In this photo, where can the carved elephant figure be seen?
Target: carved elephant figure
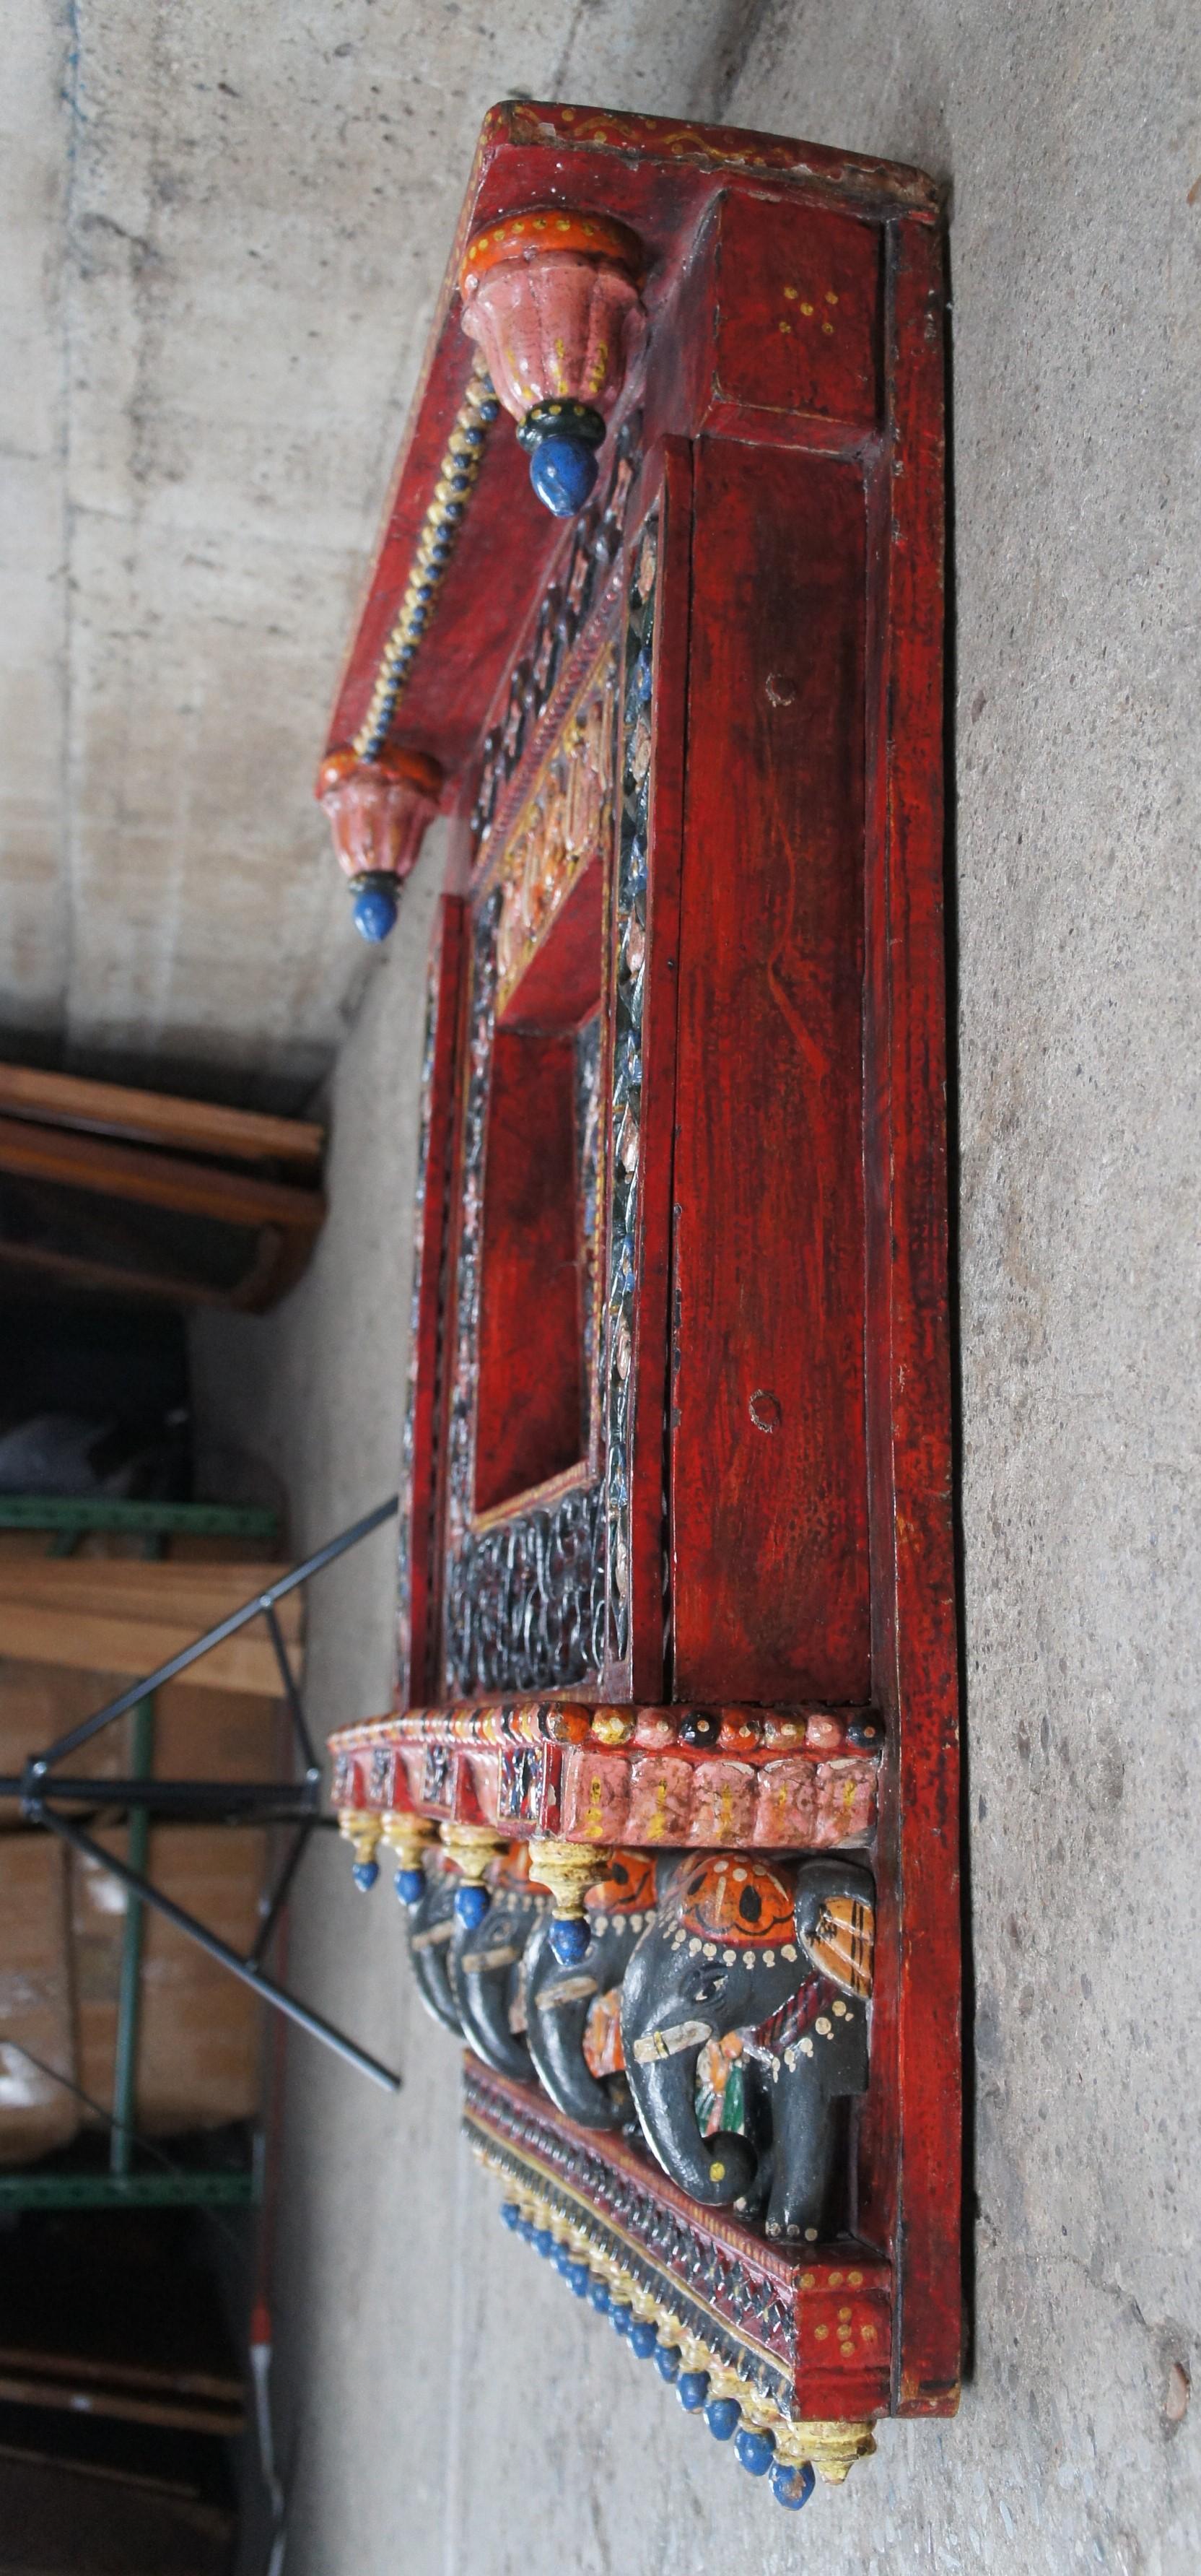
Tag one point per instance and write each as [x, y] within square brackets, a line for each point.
[486, 1972]
[766, 1966]
[572, 2014]
[430, 1928]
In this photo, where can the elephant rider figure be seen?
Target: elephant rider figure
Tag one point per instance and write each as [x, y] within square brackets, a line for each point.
[777, 1955]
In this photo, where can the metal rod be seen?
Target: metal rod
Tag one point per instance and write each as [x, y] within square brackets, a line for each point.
[263, 1601]
[286, 1801]
[105, 1512]
[125, 2068]
[251, 1976]
[283, 1888]
[291, 1694]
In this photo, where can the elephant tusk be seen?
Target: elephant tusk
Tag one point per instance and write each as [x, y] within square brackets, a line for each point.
[475, 1960]
[671, 2042]
[567, 1990]
[436, 1933]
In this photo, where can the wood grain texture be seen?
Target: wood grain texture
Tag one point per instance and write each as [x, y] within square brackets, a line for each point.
[914, 2183]
[768, 1476]
[123, 1616]
[158, 1118]
[85, 1162]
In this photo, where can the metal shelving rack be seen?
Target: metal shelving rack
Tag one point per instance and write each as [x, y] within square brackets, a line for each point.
[42, 1790]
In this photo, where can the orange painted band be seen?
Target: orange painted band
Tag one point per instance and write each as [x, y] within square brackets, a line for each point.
[544, 228]
[401, 768]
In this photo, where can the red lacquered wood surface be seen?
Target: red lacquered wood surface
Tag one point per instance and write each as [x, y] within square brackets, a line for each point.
[830, 2332]
[416, 1676]
[795, 312]
[529, 1402]
[917, 2009]
[660, 178]
[769, 1488]
[652, 1386]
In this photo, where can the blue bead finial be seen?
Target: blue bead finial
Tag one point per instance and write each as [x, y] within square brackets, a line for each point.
[667, 2361]
[723, 2416]
[471, 1904]
[692, 2389]
[792, 2487]
[374, 912]
[510, 2214]
[365, 1874]
[563, 472]
[410, 1886]
[578, 2279]
[569, 1938]
[644, 2339]
[621, 2316]
[600, 2297]
[543, 2243]
[755, 2450]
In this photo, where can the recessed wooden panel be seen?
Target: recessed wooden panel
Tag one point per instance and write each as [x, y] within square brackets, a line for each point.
[530, 1400]
[796, 310]
[769, 1509]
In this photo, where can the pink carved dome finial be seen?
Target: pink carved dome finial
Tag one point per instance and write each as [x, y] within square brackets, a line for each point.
[552, 298]
[378, 810]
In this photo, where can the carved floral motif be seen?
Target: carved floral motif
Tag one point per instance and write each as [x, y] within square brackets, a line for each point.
[626, 1093]
[563, 824]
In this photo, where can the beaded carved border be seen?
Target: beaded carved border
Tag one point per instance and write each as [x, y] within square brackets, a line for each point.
[440, 530]
[626, 1085]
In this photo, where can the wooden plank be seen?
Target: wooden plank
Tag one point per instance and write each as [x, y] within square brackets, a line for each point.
[36, 2114]
[769, 1478]
[153, 2380]
[181, 2414]
[158, 1118]
[70, 1270]
[200, 2037]
[121, 1616]
[155, 1180]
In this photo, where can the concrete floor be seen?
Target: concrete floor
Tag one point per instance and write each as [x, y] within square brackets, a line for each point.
[447, 2406]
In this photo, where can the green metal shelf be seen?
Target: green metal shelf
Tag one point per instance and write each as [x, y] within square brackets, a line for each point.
[156, 1520]
[197, 2190]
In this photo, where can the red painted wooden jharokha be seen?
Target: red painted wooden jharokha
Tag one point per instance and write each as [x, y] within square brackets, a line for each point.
[671, 1775]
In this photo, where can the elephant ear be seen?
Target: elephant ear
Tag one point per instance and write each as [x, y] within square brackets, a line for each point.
[841, 1943]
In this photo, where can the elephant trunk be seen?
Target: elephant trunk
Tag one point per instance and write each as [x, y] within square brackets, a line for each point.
[661, 2072]
[556, 2035]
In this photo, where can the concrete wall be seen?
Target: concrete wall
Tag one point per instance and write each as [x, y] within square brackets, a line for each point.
[450, 2407]
[224, 230]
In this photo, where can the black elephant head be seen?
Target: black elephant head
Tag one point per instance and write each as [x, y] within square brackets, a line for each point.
[776, 1957]
[430, 1926]
[572, 2014]
[486, 1972]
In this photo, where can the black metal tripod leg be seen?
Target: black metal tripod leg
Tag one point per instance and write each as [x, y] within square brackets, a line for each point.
[250, 1975]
